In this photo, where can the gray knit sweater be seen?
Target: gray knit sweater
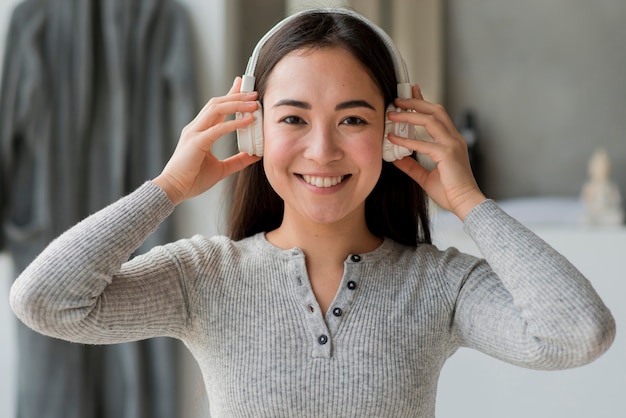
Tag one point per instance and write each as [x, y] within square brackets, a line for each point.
[246, 310]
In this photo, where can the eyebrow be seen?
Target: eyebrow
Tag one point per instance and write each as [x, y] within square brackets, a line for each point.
[354, 103]
[350, 104]
[293, 103]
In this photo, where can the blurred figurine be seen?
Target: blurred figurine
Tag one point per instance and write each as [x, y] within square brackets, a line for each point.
[600, 196]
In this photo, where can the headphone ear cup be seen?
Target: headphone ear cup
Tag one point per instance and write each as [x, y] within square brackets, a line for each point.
[250, 138]
[392, 152]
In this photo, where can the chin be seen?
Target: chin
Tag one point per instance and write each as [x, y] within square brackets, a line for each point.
[326, 217]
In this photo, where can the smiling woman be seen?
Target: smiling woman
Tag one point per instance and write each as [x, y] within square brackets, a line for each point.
[397, 206]
[328, 299]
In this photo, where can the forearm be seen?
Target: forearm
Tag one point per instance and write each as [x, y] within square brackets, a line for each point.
[64, 284]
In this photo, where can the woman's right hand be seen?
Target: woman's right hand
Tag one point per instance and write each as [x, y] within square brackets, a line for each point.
[193, 169]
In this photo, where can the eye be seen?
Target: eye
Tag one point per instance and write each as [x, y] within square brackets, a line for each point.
[353, 120]
[293, 120]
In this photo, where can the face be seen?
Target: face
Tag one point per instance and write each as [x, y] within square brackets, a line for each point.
[323, 122]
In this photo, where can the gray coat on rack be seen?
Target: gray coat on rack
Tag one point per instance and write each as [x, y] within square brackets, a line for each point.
[93, 97]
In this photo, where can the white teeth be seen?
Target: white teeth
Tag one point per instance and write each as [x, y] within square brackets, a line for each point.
[322, 181]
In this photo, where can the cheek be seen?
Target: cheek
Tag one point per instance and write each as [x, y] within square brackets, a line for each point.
[276, 143]
[370, 151]
[271, 174]
[276, 160]
[276, 153]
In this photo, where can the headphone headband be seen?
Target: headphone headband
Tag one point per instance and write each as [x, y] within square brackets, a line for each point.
[402, 77]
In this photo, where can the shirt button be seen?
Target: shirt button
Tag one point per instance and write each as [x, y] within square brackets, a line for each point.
[351, 285]
[337, 312]
[355, 257]
[322, 339]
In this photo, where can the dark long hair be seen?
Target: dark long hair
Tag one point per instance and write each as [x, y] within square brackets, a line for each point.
[397, 206]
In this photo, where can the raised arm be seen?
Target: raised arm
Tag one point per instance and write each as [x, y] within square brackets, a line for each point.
[527, 304]
[83, 288]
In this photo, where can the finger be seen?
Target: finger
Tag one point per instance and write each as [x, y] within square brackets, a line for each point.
[217, 111]
[436, 129]
[437, 151]
[413, 169]
[420, 105]
[419, 145]
[203, 140]
[417, 92]
[233, 89]
[233, 94]
[236, 87]
[252, 96]
[238, 162]
[207, 138]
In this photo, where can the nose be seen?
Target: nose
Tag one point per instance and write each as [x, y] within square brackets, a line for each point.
[323, 145]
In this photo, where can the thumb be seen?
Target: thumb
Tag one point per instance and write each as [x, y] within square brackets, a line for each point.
[238, 162]
[413, 169]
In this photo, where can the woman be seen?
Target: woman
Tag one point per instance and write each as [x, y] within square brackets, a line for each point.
[328, 298]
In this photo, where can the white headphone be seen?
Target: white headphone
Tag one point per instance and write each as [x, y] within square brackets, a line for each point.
[250, 138]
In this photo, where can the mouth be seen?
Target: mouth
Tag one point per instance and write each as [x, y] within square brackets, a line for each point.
[323, 182]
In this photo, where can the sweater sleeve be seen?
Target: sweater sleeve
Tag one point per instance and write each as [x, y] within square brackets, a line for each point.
[527, 304]
[82, 287]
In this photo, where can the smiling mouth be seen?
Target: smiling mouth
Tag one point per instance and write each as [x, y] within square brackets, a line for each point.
[319, 181]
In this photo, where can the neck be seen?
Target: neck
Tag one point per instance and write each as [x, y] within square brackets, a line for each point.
[329, 242]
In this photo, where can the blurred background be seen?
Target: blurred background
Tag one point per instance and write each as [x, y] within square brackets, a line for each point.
[536, 87]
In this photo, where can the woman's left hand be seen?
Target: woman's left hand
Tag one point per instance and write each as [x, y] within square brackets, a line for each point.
[451, 183]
